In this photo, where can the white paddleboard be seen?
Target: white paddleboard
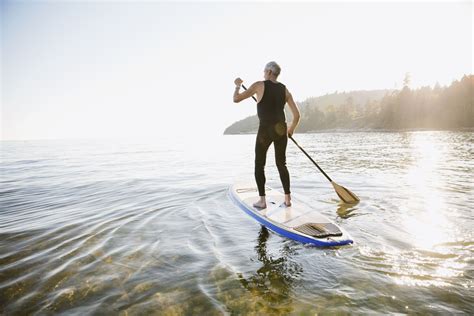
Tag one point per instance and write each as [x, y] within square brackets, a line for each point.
[299, 222]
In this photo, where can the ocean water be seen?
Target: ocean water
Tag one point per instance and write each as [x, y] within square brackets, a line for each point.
[146, 227]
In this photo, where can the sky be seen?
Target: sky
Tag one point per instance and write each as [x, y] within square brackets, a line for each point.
[90, 69]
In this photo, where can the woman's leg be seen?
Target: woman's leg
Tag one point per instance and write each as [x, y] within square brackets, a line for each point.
[262, 144]
[280, 158]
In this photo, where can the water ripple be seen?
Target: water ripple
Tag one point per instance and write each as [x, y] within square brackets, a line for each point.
[134, 228]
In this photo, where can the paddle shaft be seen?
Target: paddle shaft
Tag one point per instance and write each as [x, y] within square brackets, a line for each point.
[245, 88]
[304, 152]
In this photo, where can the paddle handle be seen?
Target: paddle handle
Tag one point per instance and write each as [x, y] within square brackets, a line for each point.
[304, 152]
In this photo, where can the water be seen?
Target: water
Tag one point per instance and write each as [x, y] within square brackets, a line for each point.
[138, 227]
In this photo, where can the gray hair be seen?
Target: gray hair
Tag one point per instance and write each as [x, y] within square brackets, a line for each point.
[273, 67]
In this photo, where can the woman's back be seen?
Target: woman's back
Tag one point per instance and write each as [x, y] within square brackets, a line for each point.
[270, 109]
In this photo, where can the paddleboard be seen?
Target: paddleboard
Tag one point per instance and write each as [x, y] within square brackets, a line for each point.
[299, 222]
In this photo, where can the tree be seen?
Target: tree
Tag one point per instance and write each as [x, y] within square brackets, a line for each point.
[407, 80]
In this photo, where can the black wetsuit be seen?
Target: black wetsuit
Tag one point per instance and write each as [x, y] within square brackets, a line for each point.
[272, 128]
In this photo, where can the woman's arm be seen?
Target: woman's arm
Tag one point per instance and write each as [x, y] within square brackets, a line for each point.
[295, 111]
[246, 93]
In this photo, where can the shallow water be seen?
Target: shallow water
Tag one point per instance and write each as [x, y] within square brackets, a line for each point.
[141, 227]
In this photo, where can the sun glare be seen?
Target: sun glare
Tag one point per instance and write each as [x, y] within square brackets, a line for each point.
[425, 216]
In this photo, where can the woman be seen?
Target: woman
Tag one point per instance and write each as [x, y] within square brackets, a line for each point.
[272, 96]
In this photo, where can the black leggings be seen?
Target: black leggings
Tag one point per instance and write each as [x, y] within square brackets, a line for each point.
[266, 135]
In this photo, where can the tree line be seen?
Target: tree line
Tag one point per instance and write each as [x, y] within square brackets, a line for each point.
[450, 107]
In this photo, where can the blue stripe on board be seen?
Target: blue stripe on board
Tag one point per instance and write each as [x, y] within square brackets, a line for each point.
[284, 232]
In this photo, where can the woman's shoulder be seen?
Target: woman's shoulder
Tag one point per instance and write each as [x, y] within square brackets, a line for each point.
[275, 82]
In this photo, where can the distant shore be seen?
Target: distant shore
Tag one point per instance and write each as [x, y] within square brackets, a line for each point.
[370, 130]
[422, 109]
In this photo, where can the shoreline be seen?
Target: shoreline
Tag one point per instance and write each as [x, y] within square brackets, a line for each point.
[370, 130]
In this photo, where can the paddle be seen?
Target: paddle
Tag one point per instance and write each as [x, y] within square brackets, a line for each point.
[344, 194]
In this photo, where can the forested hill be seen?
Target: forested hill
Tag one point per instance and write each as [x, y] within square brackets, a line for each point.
[425, 108]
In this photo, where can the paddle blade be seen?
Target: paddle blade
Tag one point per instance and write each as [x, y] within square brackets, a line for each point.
[344, 194]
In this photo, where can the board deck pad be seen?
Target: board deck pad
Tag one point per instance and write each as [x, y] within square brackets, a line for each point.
[319, 230]
[300, 221]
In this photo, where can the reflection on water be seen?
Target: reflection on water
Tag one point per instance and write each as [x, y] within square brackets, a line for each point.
[345, 211]
[138, 228]
[273, 281]
[430, 221]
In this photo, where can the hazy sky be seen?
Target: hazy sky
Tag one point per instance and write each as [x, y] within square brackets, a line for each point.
[121, 69]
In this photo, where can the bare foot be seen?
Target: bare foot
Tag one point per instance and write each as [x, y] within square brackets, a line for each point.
[287, 204]
[287, 200]
[260, 204]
